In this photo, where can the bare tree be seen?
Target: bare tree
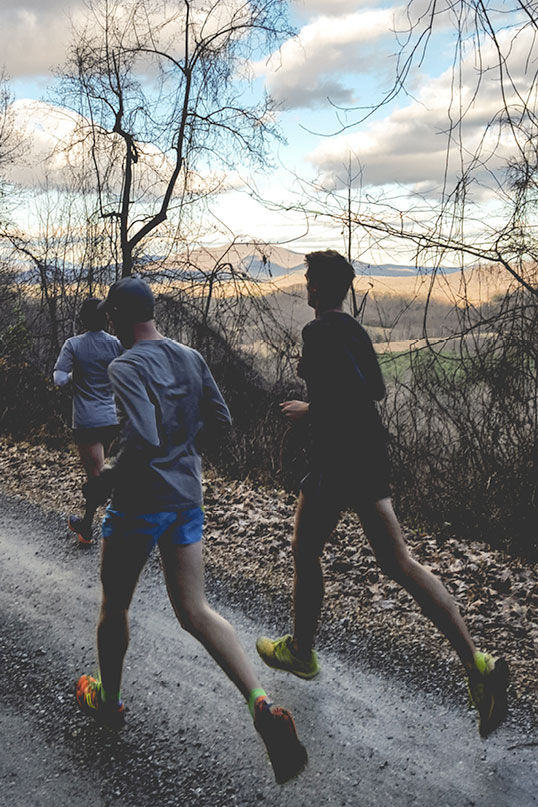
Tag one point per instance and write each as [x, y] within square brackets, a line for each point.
[63, 257]
[9, 146]
[162, 91]
[483, 209]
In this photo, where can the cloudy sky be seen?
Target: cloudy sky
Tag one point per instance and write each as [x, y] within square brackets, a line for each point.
[327, 81]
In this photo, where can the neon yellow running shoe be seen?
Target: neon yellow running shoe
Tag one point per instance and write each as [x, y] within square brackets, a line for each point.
[487, 691]
[279, 654]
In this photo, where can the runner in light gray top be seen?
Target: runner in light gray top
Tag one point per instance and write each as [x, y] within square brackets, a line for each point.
[83, 360]
[87, 357]
[166, 395]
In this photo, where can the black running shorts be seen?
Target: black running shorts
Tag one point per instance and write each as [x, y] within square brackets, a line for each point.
[352, 483]
[98, 434]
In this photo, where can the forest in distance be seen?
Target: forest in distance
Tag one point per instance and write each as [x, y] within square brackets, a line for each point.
[207, 147]
[454, 381]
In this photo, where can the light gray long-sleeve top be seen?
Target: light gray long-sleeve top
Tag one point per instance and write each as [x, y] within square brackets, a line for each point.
[166, 398]
[86, 358]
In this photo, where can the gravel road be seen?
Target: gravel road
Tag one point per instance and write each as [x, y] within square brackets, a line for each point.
[373, 739]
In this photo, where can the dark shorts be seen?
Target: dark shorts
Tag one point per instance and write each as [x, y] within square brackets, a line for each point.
[98, 434]
[351, 484]
[181, 528]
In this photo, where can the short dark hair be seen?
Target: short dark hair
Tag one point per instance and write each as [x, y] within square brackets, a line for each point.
[91, 318]
[331, 274]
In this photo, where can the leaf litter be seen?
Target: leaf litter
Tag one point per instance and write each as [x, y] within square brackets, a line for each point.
[247, 535]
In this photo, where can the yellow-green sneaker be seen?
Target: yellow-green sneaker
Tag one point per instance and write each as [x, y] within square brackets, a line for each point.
[278, 653]
[487, 691]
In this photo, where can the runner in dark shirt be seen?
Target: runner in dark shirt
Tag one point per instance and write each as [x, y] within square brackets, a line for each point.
[168, 401]
[348, 445]
[350, 467]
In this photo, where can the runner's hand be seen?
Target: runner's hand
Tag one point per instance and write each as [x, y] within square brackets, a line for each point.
[294, 410]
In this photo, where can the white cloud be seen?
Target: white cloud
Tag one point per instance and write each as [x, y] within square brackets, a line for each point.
[34, 35]
[409, 146]
[41, 129]
[305, 71]
[56, 154]
[348, 38]
[326, 7]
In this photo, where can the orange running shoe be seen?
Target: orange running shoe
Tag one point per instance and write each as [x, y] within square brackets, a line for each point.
[276, 727]
[76, 525]
[88, 693]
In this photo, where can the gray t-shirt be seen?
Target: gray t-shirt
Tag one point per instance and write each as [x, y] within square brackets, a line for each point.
[166, 398]
[87, 357]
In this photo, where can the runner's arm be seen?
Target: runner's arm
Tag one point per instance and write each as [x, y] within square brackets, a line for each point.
[371, 369]
[63, 369]
[61, 378]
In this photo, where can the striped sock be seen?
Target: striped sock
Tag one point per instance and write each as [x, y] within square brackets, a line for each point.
[116, 700]
[253, 697]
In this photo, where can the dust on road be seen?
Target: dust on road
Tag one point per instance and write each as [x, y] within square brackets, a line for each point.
[372, 738]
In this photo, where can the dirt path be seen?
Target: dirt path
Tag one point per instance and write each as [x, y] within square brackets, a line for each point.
[372, 738]
[248, 529]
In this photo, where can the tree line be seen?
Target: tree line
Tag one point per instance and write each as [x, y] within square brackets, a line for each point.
[158, 122]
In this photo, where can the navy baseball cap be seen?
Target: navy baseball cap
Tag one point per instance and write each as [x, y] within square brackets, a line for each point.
[130, 298]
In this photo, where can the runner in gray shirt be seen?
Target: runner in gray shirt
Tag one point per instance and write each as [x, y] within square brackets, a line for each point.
[168, 403]
[166, 397]
[84, 360]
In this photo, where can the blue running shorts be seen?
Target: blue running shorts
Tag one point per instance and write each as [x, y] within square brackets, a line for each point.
[181, 528]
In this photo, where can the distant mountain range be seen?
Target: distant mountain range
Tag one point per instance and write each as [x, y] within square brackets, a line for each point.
[256, 260]
[392, 270]
[266, 261]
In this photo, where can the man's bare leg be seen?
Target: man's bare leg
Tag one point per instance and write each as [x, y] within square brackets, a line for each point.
[92, 457]
[184, 574]
[121, 564]
[314, 522]
[487, 677]
[312, 530]
[385, 536]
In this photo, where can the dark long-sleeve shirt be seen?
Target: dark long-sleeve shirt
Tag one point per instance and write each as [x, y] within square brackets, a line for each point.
[166, 398]
[344, 380]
